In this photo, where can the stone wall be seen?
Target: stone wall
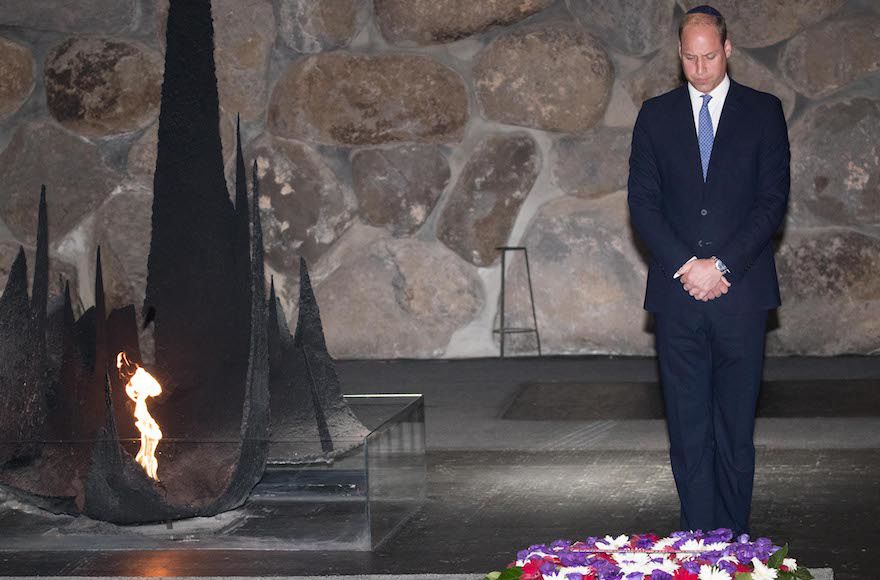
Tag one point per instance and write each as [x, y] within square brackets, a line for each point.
[400, 141]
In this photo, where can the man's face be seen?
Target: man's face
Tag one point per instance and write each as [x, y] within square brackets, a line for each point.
[703, 57]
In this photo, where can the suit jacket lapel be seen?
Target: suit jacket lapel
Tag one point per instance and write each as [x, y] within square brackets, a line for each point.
[687, 136]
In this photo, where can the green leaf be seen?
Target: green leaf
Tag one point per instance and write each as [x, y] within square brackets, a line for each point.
[493, 576]
[803, 574]
[743, 576]
[782, 575]
[778, 556]
[514, 573]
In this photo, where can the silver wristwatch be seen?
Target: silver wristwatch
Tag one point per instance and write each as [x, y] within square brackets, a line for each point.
[719, 265]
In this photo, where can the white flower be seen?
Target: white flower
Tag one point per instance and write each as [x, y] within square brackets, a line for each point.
[664, 543]
[713, 573]
[630, 562]
[762, 572]
[789, 563]
[666, 565]
[609, 543]
[693, 546]
[717, 546]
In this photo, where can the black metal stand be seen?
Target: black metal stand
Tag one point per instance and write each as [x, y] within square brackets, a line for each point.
[505, 330]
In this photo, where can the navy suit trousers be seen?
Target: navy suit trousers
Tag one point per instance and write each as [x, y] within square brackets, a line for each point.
[710, 369]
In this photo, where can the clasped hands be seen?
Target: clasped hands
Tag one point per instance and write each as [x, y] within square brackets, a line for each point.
[702, 280]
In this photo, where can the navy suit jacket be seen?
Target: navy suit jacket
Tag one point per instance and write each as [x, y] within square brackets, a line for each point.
[733, 215]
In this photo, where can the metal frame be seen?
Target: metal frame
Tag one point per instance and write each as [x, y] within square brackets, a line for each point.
[505, 330]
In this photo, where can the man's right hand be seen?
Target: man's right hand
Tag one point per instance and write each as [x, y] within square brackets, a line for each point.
[720, 289]
[723, 287]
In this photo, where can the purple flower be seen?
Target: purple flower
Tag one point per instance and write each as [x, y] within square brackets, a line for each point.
[745, 552]
[604, 568]
[719, 535]
[728, 567]
[574, 576]
[564, 544]
[591, 541]
[644, 543]
[572, 558]
[522, 554]
[547, 568]
[691, 566]
[660, 575]
[536, 547]
[743, 539]
[635, 575]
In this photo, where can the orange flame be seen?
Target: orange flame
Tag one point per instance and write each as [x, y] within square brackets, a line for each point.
[140, 386]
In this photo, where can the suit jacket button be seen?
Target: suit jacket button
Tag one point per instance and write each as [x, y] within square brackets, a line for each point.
[700, 243]
[704, 212]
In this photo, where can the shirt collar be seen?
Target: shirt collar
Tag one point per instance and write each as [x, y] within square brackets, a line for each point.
[719, 91]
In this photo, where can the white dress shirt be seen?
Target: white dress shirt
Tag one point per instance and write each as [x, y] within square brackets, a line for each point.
[716, 103]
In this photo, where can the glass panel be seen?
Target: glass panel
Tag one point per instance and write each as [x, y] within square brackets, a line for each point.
[396, 466]
[354, 502]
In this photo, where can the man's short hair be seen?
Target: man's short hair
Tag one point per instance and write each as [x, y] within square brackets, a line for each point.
[704, 14]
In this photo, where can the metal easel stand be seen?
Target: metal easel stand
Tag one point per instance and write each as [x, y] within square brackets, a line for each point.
[505, 330]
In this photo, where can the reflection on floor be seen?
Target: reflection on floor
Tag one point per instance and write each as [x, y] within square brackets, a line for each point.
[496, 485]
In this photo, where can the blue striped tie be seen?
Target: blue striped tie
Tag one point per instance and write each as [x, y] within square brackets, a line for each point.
[705, 134]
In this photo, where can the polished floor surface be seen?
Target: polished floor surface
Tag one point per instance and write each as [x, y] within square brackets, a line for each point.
[496, 485]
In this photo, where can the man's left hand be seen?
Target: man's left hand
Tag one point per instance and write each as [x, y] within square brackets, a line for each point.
[700, 278]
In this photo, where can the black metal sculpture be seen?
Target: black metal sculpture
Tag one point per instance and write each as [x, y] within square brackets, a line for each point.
[67, 435]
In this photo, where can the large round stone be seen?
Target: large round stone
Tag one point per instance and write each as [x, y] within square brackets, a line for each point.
[830, 293]
[587, 276]
[60, 272]
[398, 298]
[822, 59]
[16, 76]
[100, 86]
[244, 33]
[634, 27]
[309, 26]
[835, 164]
[304, 207]
[397, 187]
[553, 77]
[483, 205]
[660, 74]
[76, 179]
[433, 21]
[754, 23]
[593, 164]
[748, 71]
[351, 244]
[123, 228]
[81, 16]
[349, 99]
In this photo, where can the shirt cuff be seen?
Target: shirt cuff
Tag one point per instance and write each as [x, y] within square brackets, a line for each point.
[676, 275]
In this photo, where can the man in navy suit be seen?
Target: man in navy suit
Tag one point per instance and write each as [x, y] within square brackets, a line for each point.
[708, 188]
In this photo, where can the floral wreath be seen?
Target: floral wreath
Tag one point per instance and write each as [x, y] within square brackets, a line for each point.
[693, 555]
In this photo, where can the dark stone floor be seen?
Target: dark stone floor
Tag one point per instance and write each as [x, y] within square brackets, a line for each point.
[490, 497]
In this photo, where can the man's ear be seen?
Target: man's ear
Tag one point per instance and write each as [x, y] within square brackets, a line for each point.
[679, 49]
[728, 48]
